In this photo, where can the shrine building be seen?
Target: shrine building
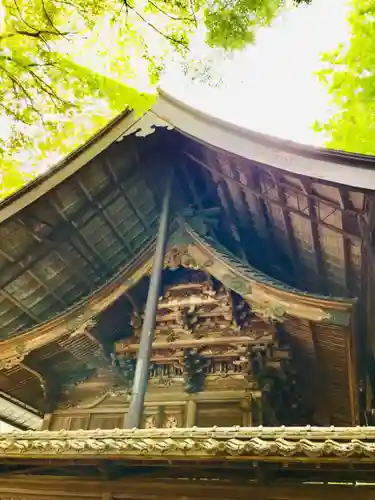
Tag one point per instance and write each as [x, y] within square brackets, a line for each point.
[185, 303]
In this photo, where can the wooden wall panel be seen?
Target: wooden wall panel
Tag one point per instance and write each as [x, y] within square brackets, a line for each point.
[220, 414]
[106, 421]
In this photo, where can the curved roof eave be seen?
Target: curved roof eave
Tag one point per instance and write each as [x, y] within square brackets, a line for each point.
[301, 305]
[353, 170]
[66, 167]
[349, 169]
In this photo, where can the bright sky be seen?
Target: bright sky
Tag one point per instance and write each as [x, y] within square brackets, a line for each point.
[271, 87]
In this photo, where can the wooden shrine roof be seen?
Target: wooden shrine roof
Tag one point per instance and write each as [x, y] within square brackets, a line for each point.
[73, 243]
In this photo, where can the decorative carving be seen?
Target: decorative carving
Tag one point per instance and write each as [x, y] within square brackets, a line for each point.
[163, 382]
[7, 364]
[125, 367]
[150, 422]
[145, 126]
[313, 443]
[194, 370]
[171, 422]
[178, 256]
[237, 284]
[203, 330]
[273, 312]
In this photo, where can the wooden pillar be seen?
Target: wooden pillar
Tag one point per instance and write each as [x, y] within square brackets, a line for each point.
[247, 417]
[46, 422]
[140, 383]
[191, 413]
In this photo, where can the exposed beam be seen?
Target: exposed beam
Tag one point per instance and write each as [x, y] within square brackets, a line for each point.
[82, 277]
[319, 199]
[222, 190]
[318, 251]
[223, 194]
[349, 278]
[78, 234]
[39, 376]
[120, 185]
[294, 253]
[20, 306]
[239, 204]
[61, 233]
[98, 344]
[101, 211]
[189, 182]
[266, 233]
[276, 202]
[20, 269]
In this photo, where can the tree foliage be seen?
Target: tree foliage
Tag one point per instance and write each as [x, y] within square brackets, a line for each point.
[68, 66]
[349, 74]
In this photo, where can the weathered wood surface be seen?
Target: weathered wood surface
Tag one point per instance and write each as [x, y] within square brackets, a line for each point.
[52, 488]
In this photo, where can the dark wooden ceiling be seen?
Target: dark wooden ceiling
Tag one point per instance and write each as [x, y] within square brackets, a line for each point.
[64, 246]
[58, 251]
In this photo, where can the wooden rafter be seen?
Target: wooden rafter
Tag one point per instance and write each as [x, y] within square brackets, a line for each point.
[318, 251]
[119, 184]
[276, 202]
[265, 234]
[189, 182]
[319, 199]
[68, 263]
[21, 269]
[241, 209]
[101, 211]
[227, 203]
[295, 255]
[19, 305]
[59, 234]
[226, 193]
[78, 234]
[345, 202]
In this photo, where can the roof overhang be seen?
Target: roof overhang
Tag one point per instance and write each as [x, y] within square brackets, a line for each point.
[341, 168]
[269, 297]
[18, 414]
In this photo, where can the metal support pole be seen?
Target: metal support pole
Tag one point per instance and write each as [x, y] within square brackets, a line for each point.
[140, 383]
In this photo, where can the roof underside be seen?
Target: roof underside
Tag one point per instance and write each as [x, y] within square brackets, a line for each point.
[58, 251]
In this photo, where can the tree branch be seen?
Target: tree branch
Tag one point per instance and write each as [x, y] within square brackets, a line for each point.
[18, 85]
[168, 37]
[21, 17]
[170, 15]
[58, 32]
[40, 33]
[48, 89]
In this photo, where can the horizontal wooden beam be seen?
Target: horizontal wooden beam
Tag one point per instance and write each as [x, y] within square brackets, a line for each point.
[276, 202]
[146, 487]
[240, 341]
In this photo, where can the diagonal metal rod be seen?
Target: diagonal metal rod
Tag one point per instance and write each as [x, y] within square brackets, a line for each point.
[140, 383]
